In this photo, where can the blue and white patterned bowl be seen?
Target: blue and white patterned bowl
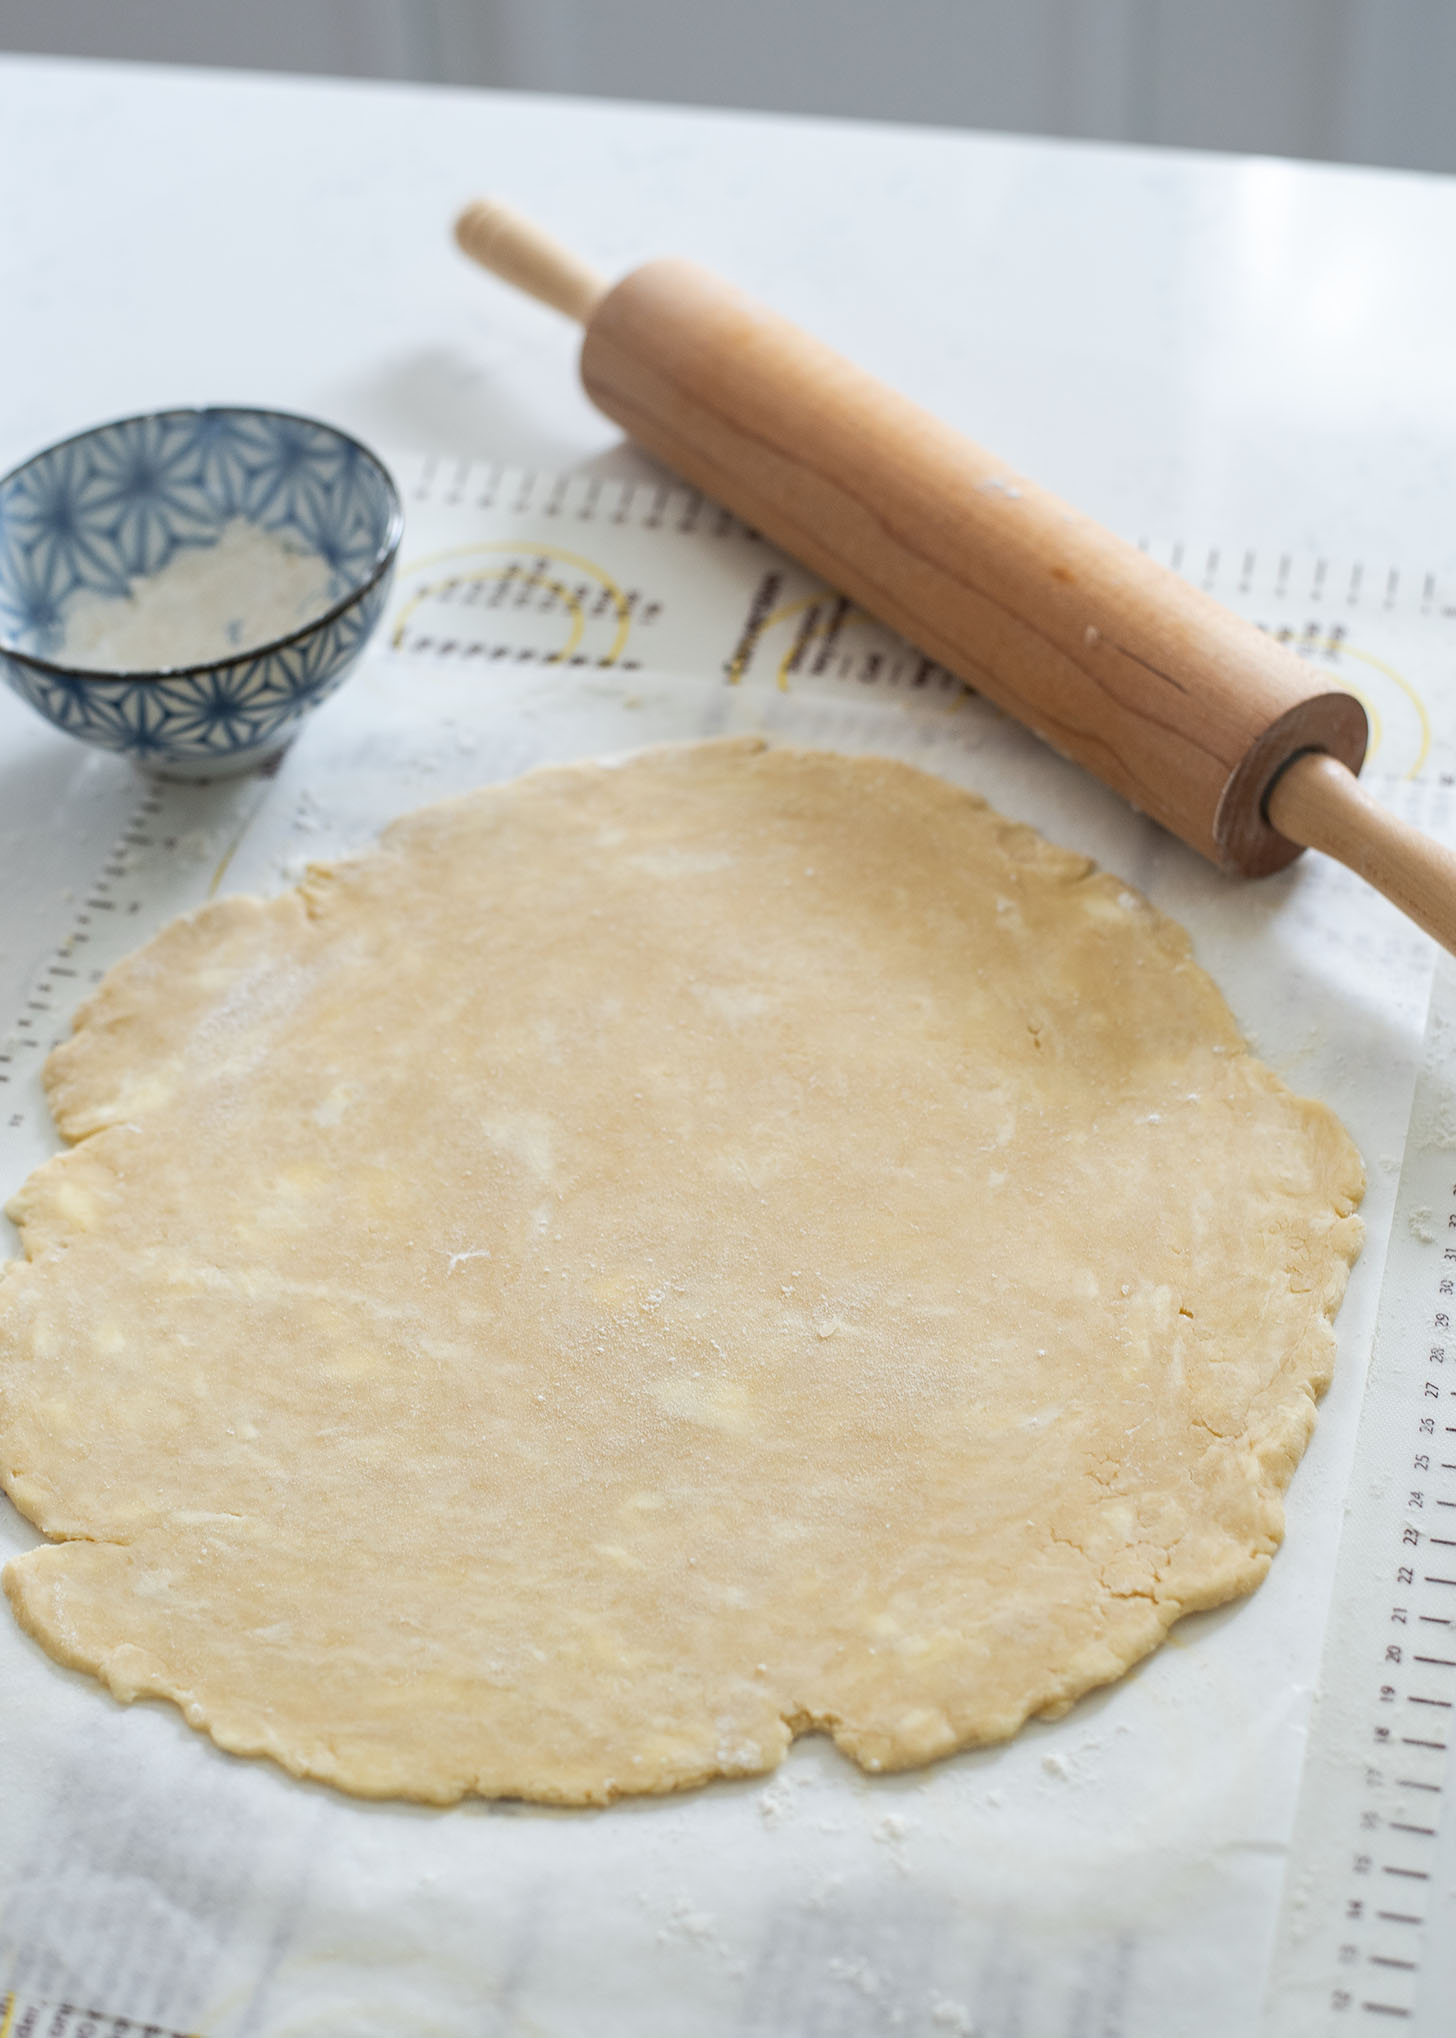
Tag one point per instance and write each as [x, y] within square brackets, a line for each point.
[187, 586]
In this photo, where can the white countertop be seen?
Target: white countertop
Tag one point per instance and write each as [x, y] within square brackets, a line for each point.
[1250, 347]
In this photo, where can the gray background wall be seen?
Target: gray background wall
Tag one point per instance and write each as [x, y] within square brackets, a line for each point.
[1365, 81]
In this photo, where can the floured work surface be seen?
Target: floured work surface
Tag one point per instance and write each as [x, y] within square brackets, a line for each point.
[651, 1260]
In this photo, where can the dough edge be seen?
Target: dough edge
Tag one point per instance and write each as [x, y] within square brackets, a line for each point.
[77, 1075]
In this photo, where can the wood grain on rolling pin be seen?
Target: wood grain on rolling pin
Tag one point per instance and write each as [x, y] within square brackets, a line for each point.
[1185, 709]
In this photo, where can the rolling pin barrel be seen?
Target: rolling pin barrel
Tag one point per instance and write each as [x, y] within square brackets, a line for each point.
[1188, 711]
[1195, 716]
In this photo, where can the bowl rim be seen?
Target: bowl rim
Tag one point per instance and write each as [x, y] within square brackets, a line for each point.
[111, 675]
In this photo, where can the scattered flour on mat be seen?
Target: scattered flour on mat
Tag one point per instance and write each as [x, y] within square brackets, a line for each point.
[944, 2013]
[686, 1925]
[891, 1832]
[776, 1803]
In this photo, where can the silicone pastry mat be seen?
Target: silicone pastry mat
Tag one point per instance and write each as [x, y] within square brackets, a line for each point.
[1119, 1871]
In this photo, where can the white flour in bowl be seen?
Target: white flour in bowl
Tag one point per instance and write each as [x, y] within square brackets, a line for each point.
[207, 602]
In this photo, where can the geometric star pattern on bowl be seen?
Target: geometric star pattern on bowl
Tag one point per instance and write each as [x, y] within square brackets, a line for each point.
[99, 513]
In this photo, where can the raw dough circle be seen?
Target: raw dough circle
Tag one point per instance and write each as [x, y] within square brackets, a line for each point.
[649, 1261]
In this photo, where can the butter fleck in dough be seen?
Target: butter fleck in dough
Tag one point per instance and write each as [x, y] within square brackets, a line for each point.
[650, 1261]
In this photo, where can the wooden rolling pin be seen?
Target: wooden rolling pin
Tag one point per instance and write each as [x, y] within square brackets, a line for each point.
[1197, 717]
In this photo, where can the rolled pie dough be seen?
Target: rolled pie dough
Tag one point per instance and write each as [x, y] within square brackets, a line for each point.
[650, 1261]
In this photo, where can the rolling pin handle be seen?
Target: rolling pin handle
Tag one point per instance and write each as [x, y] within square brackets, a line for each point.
[515, 249]
[1320, 804]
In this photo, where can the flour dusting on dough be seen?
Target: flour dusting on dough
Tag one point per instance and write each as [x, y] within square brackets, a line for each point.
[651, 1261]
